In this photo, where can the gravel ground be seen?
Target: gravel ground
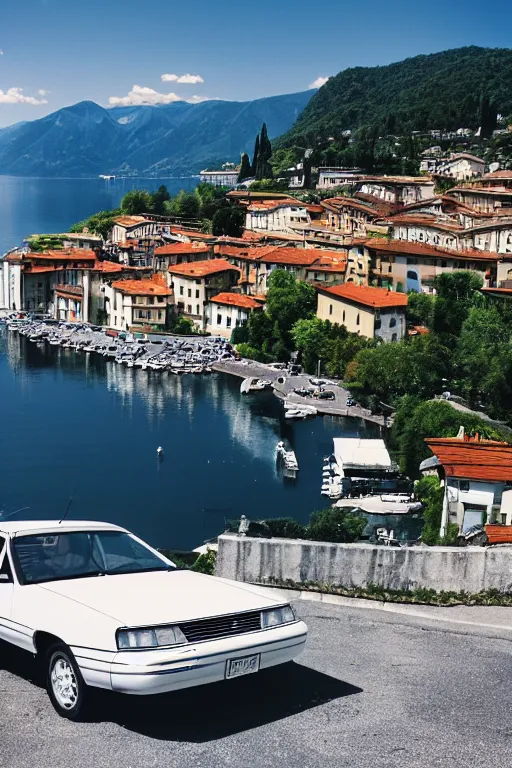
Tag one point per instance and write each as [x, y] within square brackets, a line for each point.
[370, 690]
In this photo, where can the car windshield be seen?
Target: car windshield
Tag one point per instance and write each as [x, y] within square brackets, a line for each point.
[57, 556]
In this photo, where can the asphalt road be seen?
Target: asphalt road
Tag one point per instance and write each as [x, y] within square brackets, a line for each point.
[371, 690]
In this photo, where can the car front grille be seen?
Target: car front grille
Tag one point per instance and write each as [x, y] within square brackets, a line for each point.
[221, 626]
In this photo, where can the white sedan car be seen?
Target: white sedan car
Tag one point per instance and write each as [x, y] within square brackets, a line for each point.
[101, 608]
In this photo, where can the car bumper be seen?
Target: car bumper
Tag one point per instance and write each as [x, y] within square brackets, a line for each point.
[146, 672]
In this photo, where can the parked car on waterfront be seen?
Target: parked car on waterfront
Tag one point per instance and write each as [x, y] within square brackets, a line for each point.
[324, 394]
[100, 608]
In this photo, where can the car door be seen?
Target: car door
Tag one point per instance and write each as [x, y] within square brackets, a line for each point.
[6, 590]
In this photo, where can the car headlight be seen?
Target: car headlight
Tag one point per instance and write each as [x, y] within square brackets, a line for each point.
[153, 637]
[277, 616]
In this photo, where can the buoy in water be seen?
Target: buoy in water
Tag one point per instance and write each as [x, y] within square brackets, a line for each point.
[160, 451]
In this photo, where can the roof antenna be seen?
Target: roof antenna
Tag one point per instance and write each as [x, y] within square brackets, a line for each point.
[68, 506]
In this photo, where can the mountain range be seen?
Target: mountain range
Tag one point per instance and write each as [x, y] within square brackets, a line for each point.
[458, 88]
[173, 139]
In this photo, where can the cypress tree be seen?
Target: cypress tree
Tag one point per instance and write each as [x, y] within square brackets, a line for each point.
[263, 167]
[245, 168]
[255, 156]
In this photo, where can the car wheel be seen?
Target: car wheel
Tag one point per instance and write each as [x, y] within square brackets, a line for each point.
[64, 682]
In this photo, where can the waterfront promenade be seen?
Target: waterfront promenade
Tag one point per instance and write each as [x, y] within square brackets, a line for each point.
[284, 390]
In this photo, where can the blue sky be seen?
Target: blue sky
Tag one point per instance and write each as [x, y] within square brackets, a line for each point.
[58, 52]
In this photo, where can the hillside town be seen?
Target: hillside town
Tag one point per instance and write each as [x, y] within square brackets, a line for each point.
[393, 235]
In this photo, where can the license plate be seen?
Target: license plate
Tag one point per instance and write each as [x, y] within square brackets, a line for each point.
[244, 666]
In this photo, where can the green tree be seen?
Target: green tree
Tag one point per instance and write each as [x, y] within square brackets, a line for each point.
[484, 356]
[229, 221]
[99, 223]
[310, 337]
[136, 201]
[245, 168]
[341, 526]
[255, 156]
[416, 367]
[429, 491]
[416, 420]
[288, 300]
[456, 292]
[263, 166]
[259, 327]
[185, 205]
[158, 200]
[420, 309]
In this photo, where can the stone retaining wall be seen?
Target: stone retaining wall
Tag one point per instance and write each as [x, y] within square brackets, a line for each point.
[280, 561]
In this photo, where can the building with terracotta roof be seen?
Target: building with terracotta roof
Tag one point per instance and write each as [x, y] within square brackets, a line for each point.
[137, 303]
[227, 310]
[371, 312]
[413, 266]
[195, 282]
[171, 254]
[350, 216]
[276, 215]
[397, 190]
[476, 474]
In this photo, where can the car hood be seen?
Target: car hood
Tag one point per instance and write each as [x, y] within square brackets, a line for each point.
[162, 597]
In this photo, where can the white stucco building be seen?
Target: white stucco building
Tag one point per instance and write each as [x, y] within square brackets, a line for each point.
[226, 311]
[277, 216]
[460, 166]
[476, 473]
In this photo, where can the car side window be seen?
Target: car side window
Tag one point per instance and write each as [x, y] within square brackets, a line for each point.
[5, 568]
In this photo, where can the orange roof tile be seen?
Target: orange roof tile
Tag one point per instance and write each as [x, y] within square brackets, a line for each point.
[368, 296]
[473, 459]
[129, 221]
[192, 233]
[236, 300]
[66, 254]
[108, 266]
[141, 288]
[335, 203]
[422, 249]
[172, 248]
[427, 221]
[202, 268]
[40, 270]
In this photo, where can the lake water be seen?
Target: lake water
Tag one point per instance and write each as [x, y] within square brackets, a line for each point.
[76, 425]
[33, 206]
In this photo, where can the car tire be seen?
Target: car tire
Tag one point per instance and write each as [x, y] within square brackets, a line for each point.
[64, 682]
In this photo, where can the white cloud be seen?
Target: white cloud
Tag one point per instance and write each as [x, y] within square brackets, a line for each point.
[16, 96]
[318, 82]
[1, 52]
[142, 95]
[182, 79]
[43, 92]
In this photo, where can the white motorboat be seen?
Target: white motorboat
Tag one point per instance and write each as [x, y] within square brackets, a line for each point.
[288, 460]
[253, 385]
[296, 413]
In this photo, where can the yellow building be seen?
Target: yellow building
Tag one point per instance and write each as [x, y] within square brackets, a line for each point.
[371, 312]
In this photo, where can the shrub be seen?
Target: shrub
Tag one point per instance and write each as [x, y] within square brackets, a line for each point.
[205, 563]
[429, 491]
[286, 528]
[253, 354]
[335, 525]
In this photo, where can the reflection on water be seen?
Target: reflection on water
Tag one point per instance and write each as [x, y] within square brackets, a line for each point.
[75, 421]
